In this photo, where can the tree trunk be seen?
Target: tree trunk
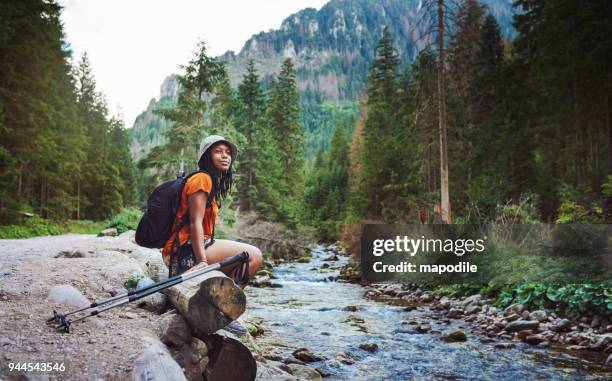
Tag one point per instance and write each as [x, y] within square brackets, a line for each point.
[229, 359]
[445, 204]
[208, 302]
[609, 125]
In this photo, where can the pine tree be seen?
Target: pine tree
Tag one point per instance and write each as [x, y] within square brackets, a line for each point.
[284, 119]
[252, 111]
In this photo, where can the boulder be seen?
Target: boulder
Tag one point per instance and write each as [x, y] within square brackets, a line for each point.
[174, 330]
[538, 315]
[454, 336]
[520, 325]
[110, 232]
[303, 372]
[303, 354]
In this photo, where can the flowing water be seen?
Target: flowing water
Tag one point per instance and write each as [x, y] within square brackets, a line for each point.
[309, 311]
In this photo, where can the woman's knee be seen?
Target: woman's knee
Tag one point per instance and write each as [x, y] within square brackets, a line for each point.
[255, 256]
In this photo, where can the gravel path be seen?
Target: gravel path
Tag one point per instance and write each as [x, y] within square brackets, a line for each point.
[98, 348]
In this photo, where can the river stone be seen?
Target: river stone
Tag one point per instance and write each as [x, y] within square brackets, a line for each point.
[110, 232]
[305, 355]
[454, 313]
[562, 325]
[351, 308]
[174, 330]
[514, 309]
[330, 258]
[601, 344]
[454, 336]
[520, 325]
[370, 347]
[534, 339]
[261, 281]
[608, 363]
[504, 345]
[471, 310]
[67, 294]
[424, 328]
[538, 315]
[304, 372]
[471, 300]
[426, 298]
[345, 358]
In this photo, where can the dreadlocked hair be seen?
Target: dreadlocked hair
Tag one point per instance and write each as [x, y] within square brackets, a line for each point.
[222, 181]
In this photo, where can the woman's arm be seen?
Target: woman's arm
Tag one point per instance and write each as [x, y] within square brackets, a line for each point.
[197, 209]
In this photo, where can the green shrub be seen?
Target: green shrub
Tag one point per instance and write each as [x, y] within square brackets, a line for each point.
[126, 220]
[26, 227]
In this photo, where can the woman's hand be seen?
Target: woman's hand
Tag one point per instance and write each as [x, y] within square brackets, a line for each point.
[198, 266]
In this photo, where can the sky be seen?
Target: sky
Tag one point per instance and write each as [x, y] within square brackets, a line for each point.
[134, 44]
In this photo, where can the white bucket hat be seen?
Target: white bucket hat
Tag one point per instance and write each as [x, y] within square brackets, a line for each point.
[209, 141]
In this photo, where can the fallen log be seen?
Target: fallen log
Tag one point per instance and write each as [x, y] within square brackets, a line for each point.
[229, 359]
[208, 302]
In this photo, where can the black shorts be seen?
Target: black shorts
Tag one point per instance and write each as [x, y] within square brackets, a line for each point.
[185, 258]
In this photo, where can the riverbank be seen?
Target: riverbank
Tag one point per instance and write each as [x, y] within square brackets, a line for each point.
[312, 317]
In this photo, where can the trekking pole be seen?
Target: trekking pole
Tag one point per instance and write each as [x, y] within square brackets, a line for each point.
[64, 322]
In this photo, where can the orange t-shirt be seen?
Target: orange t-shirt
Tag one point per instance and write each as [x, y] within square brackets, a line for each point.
[197, 182]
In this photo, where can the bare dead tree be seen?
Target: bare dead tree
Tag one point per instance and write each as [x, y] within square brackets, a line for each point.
[436, 13]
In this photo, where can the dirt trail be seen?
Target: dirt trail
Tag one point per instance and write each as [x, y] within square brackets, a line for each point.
[98, 348]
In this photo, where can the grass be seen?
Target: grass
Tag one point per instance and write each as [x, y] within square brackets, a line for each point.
[26, 227]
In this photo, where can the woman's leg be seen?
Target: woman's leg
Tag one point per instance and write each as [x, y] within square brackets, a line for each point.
[223, 248]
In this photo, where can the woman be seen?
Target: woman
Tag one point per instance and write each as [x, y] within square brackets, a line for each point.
[199, 208]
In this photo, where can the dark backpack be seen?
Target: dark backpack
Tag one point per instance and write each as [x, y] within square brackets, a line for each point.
[155, 226]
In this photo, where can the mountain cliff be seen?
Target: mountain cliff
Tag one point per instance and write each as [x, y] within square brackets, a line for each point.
[332, 49]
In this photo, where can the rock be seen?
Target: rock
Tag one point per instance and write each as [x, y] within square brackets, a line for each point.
[576, 347]
[351, 308]
[514, 309]
[174, 330]
[534, 339]
[330, 258]
[522, 335]
[423, 328]
[303, 372]
[454, 313]
[254, 329]
[305, 355]
[608, 363]
[261, 281]
[77, 253]
[471, 310]
[370, 347]
[110, 232]
[601, 344]
[538, 315]
[128, 315]
[324, 266]
[520, 325]
[199, 350]
[128, 235]
[608, 349]
[4, 341]
[562, 326]
[156, 363]
[66, 294]
[156, 303]
[504, 345]
[304, 259]
[454, 336]
[426, 298]
[472, 300]
[525, 315]
[345, 358]
[596, 322]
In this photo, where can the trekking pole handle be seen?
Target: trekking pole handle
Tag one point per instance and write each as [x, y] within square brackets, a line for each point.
[242, 257]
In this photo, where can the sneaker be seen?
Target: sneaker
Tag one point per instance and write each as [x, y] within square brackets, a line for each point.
[236, 328]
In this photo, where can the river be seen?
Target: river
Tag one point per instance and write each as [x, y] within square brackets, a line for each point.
[309, 310]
